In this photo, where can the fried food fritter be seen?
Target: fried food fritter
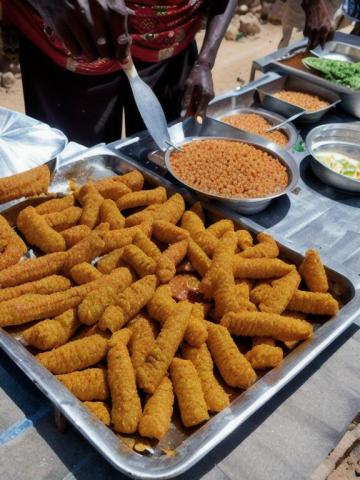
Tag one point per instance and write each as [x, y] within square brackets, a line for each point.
[142, 340]
[109, 213]
[55, 205]
[313, 272]
[91, 201]
[314, 303]
[51, 284]
[100, 410]
[266, 248]
[13, 247]
[74, 235]
[27, 184]
[87, 385]
[264, 356]
[64, 219]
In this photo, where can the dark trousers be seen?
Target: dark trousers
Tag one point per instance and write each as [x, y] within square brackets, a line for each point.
[89, 109]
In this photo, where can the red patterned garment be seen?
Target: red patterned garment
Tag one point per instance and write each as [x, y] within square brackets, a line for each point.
[158, 30]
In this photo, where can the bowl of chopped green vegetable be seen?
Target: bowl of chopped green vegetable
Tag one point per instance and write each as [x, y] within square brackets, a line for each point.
[342, 72]
[335, 154]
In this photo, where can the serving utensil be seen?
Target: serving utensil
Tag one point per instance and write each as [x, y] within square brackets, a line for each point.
[285, 122]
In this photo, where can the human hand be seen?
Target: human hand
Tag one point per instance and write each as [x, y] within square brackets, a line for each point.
[199, 91]
[92, 28]
[318, 26]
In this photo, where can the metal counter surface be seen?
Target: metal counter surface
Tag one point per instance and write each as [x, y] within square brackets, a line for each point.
[286, 439]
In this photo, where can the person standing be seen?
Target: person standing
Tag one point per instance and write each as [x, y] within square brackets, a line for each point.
[72, 52]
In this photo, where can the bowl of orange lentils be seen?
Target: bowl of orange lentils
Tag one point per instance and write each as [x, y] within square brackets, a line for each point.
[241, 174]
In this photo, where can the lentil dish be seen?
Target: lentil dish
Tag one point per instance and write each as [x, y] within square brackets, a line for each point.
[309, 102]
[229, 169]
[254, 123]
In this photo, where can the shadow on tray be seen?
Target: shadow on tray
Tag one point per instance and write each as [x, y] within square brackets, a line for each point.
[308, 177]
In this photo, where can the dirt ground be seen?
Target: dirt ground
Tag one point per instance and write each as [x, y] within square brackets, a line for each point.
[233, 63]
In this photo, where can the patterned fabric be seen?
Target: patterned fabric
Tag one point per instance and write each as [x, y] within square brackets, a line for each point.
[351, 8]
[159, 30]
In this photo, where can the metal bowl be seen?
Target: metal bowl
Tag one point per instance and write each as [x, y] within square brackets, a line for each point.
[341, 138]
[247, 206]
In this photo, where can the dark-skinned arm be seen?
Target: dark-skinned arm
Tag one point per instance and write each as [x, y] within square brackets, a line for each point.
[199, 89]
[318, 25]
[93, 28]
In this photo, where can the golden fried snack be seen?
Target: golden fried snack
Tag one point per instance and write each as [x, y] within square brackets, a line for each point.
[150, 374]
[156, 418]
[244, 239]
[91, 201]
[49, 334]
[134, 180]
[191, 222]
[75, 355]
[84, 251]
[142, 198]
[116, 239]
[265, 356]
[84, 272]
[142, 340]
[259, 293]
[32, 269]
[110, 214]
[100, 410]
[263, 341]
[233, 366]
[161, 306]
[87, 385]
[55, 205]
[138, 260]
[74, 235]
[218, 229]
[260, 268]
[198, 258]
[51, 284]
[266, 248]
[242, 289]
[37, 231]
[167, 232]
[145, 215]
[109, 262]
[276, 299]
[128, 304]
[27, 184]
[13, 247]
[250, 324]
[207, 241]
[147, 245]
[94, 304]
[188, 391]
[169, 259]
[313, 272]
[215, 397]
[170, 211]
[126, 405]
[123, 335]
[111, 188]
[198, 209]
[196, 332]
[64, 219]
[314, 303]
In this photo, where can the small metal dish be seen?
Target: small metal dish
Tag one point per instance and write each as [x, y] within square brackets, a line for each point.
[269, 101]
[247, 206]
[338, 51]
[341, 138]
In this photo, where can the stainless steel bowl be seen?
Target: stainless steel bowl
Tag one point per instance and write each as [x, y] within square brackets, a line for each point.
[341, 138]
[247, 206]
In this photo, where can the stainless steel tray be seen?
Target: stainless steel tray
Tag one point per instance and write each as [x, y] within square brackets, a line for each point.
[338, 51]
[189, 446]
[287, 82]
[248, 102]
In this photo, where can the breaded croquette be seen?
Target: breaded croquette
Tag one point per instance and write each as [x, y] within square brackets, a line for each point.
[37, 232]
[84, 251]
[266, 248]
[198, 258]
[74, 235]
[14, 248]
[64, 219]
[91, 201]
[314, 303]
[234, 368]
[215, 397]
[192, 223]
[313, 272]
[109, 213]
[150, 374]
[128, 304]
[142, 340]
[126, 405]
[109, 262]
[250, 324]
[51, 284]
[260, 268]
[206, 241]
[49, 334]
[277, 298]
[138, 261]
[188, 391]
[100, 410]
[75, 355]
[141, 198]
[244, 239]
[158, 410]
[265, 356]
[84, 272]
[218, 229]
[26, 184]
[167, 232]
[87, 385]
[55, 205]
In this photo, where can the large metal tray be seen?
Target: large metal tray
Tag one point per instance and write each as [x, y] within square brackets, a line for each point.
[338, 51]
[191, 445]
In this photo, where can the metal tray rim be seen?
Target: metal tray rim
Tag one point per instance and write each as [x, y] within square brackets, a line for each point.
[165, 467]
